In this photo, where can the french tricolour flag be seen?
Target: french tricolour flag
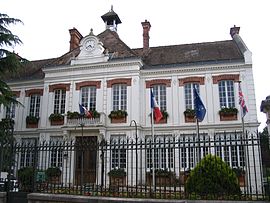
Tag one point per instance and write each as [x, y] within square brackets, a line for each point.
[155, 107]
[84, 111]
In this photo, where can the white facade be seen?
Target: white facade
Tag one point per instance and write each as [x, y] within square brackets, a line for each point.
[102, 70]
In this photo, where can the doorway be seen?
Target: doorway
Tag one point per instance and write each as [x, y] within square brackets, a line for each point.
[86, 157]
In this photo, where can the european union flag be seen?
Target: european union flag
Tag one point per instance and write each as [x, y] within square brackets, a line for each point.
[200, 110]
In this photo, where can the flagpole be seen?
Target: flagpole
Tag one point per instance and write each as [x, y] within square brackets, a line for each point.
[199, 145]
[153, 150]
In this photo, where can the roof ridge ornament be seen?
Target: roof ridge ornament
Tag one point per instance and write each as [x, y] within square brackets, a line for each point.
[91, 32]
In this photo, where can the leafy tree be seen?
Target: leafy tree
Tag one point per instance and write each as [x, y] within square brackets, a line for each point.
[265, 150]
[212, 177]
[9, 61]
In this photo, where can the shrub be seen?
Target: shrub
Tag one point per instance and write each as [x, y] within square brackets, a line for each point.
[117, 173]
[189, 112]
[32, 119]
[212, 176]
[73, 115]
[228, 110]
[118, 114]
[53, 172]
[26, 178]
[56, 117]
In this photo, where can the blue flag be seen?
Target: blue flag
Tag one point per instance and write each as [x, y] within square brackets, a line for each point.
[200, 110]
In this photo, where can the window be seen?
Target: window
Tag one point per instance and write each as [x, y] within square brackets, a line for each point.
[88, 97]
[159, 92]
[226, 93]
[119, 153]
[59, 101]
[10, 111]
[56, 157]
[119, 95]
[34, 105]
[163, 153]
[189, 96]
[27, 153]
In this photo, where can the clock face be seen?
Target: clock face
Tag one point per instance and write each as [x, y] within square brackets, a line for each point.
[90, 45]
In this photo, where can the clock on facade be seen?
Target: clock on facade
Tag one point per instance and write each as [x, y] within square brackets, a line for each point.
[90, 44]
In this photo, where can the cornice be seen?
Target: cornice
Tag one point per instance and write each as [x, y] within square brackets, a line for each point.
[57, 69]
[186, 69]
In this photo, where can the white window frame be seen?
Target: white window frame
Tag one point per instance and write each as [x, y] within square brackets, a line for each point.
[88, 97]
[226, 93]
[118, 152]
[34, 105]
[59, 101]
[160, 94]
[119, 97]
[189, 95]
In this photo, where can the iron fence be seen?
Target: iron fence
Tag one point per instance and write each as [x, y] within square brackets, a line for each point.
[160, 167]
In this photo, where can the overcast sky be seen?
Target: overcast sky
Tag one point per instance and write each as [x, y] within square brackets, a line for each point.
[45, 32]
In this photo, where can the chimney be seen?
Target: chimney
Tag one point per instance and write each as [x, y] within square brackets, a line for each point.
[234, 30]
[75, 38]
[146, 27]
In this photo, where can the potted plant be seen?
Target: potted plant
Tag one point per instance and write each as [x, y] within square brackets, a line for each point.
[165, 115]
[95, 114]
[53, 174]
[32, 121]
[163, 177]
[73, 115]
[118, 116]
[189, 115]
[240, 173]
[117, 176]
[228, 113]
[26, 179]
[56, 119]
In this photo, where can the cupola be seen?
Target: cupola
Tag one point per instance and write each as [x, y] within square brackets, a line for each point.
[111, 20]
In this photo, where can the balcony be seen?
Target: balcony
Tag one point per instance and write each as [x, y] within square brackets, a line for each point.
[88, 122]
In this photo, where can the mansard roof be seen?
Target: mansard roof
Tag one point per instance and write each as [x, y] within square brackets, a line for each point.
[207, 52]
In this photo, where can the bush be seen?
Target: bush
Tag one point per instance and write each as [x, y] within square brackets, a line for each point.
[117, 173]
[118, 114]
[53, 172]
[56, 117]
[73, 115]
[212, 177]
[26, 178]
[32, 119]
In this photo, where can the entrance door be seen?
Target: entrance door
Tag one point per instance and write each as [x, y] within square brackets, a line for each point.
[86, 155]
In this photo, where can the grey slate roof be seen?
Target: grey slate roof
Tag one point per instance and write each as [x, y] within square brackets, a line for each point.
[218, 51]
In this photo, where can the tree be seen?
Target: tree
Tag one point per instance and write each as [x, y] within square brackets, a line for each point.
[9, 61]
[264, 140]
[212, 177]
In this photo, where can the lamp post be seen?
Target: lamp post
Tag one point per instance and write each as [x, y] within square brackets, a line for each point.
[136, 137]
[82, 125]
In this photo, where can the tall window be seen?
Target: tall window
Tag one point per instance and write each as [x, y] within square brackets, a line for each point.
[159, 92]
[119, 153]
[10, 111]
[59, 101]
[27, 152]
[34, 105]
[163, 153]
[56, 151]
[189, 96]
[88, 97]
[119, 93]
[226, 93]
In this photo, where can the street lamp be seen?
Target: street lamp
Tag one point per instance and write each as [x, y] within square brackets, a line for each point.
[136, 137]
[82, 156]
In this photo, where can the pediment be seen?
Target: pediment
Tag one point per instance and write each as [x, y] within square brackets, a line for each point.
[91, 51]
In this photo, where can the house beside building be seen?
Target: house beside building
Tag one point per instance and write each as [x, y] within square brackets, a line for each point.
[112, 83]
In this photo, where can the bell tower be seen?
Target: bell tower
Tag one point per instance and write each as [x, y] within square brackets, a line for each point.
[111, 20]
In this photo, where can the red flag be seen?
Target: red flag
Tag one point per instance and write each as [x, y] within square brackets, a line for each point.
[155, 108]
[242, 101]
